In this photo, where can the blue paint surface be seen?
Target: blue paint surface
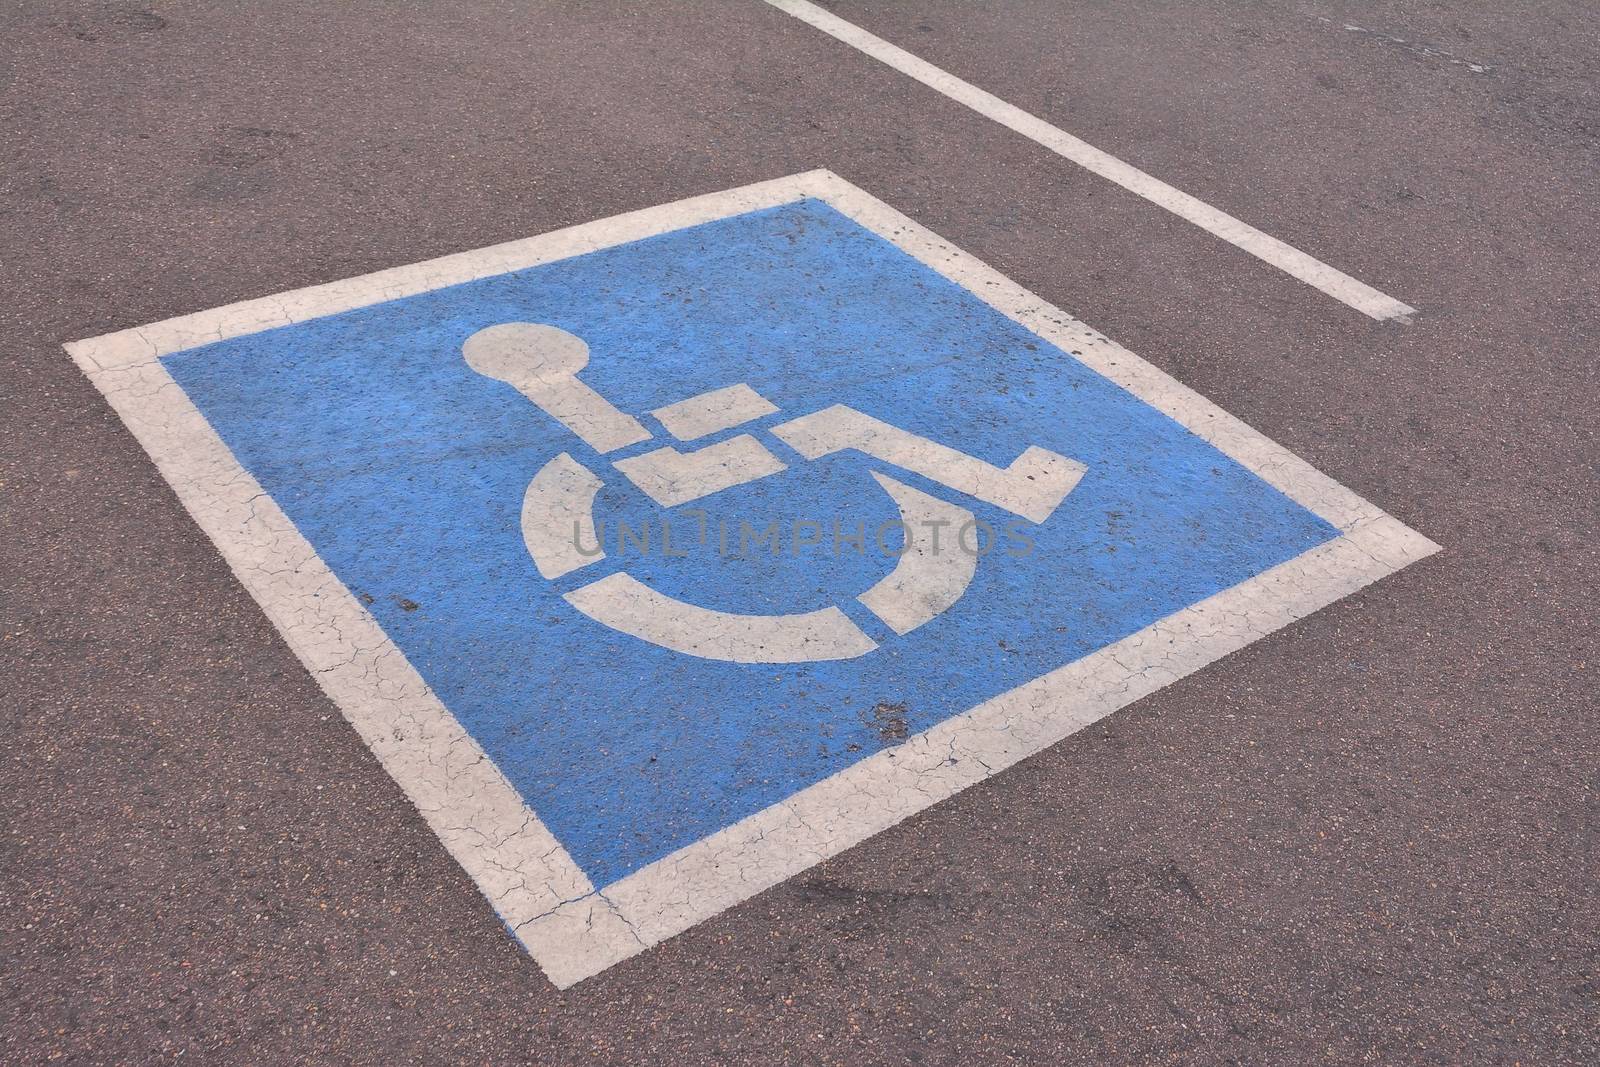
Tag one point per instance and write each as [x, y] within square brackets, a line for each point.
[406, 471]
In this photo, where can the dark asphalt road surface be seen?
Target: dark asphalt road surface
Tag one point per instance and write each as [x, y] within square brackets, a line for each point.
[1370, 837]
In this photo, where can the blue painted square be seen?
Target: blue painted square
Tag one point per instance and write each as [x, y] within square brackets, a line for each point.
[406, 471]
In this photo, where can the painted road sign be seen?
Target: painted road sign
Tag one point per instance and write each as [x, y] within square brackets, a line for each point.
[662, 557]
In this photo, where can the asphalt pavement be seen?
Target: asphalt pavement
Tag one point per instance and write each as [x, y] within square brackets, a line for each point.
[1368, 837]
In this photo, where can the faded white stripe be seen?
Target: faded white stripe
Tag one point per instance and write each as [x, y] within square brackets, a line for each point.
[1337, 284]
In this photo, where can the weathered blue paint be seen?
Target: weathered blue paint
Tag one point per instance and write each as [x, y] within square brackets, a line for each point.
[406, 470]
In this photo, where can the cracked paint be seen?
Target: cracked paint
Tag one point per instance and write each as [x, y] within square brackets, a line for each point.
[562, 825]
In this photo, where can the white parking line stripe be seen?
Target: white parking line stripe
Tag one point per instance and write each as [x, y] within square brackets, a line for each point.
[1337, 284]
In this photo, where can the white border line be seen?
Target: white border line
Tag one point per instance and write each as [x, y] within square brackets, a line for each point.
[1343, 288]
[569, 927]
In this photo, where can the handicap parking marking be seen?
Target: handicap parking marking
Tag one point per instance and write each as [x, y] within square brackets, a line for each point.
[614, 543]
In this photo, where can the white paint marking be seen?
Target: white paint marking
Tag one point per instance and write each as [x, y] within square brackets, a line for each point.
[558, 517]
[624, 603]
[1033, 486]
[542, 363]
[1423, 51]
[720, 409]
[1364, 298]
[933, 570]
[670, 477]
[572, 929]
[701, 880]
[481, 819]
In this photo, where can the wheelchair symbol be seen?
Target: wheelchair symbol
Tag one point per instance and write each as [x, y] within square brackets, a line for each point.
[542, 363]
